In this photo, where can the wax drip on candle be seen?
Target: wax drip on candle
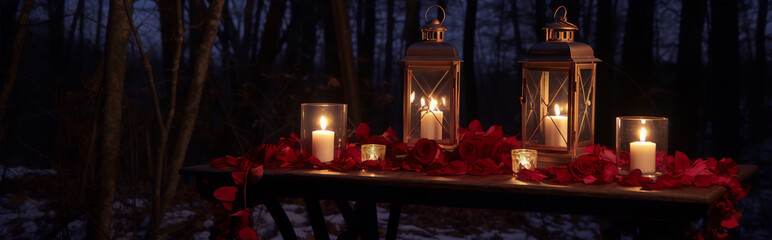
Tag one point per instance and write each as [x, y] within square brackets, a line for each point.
[323, 122]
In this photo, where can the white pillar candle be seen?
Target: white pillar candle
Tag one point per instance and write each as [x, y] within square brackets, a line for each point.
[431, 121]
[557, 132]
[643, 154]
[323, 143]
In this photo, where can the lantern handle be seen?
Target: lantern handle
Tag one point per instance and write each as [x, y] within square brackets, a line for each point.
[565, 12]
[427, 13]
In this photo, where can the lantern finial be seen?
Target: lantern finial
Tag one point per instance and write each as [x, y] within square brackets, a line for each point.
[433, 31]
[560, 30]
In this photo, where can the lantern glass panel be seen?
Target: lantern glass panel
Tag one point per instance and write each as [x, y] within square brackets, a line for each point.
[547, 101]
[584, 102]
[431, 102]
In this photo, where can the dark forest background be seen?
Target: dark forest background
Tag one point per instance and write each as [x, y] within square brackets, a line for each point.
[124, 91]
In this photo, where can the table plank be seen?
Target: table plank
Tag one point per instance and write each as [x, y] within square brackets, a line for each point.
[489, 184]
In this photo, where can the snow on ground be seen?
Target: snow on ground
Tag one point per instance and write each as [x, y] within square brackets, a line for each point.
[15, 172]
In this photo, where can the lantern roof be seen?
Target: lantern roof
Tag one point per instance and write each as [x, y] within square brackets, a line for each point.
[559, 45]
[432, 45]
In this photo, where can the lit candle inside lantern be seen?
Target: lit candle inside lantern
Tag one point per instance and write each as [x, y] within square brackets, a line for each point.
[643, 154]
[431, 121]
[556, 129]
[373, 152]
[323, 143]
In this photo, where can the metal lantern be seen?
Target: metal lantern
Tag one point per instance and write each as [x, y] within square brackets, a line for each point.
[432, 71]
[558, 93]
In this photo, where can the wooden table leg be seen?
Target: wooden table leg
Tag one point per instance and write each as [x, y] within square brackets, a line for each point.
[316, 217]
[394, 213]
[280, 218]
[369, 216]
[364, 222]
[345, 211]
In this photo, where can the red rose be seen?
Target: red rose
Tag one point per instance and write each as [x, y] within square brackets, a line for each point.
[501, 152]
[473, 147]
[377, 139]
[582, 167]
[264, 154]
[292, 141]
[482, 166]
[424, 151]
[363, 132]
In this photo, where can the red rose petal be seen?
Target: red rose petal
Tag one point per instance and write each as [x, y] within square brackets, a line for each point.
[363, 132]
[255, 174]
[227, 193]
[631, 179]
[589, 179]
[705, 180]
[528, 175]
[238, 177]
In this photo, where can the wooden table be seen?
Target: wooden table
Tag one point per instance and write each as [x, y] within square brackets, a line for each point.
[651, 208]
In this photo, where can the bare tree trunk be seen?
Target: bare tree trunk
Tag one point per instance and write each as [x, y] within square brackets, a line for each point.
[389, 62]
[56, 35]
[759, 114]
[13, 68]
[171, 24]
[685, 119]
[270, 43]
[188, 120]
[255, 31]
[98, 39]
[541, 19]
[365, 57]
[7, 24]
[468, 83]
[604, 49]
[71, 35]
[340, 20]
[248, 21]
[115, 74]
[519, 49]
[412, 26]
[637, 58]
[724, 68]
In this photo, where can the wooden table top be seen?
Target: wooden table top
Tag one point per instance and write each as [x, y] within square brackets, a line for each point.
[499, 184]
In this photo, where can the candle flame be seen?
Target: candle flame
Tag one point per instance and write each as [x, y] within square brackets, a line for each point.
[444, 103]
[643, 134]
[433, 105]
[412, 96]
[557, 110]
[423, 102]
[323, 122]
[643, 121]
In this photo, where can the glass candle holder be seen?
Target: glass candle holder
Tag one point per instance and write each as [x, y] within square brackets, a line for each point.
[523, 159]
[323, 129]
[374, 152]
[641, 143]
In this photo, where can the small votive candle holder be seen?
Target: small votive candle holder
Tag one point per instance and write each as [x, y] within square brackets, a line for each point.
[640, 141]
[323, 130]
[523, 159]
[374, 152]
